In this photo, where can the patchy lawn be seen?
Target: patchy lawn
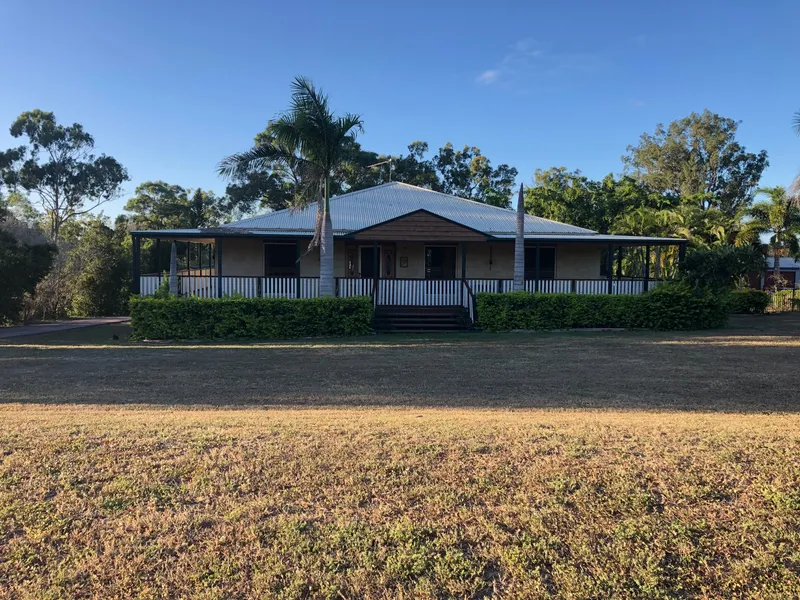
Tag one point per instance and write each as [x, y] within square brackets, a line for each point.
[748, 367]
[625, 465]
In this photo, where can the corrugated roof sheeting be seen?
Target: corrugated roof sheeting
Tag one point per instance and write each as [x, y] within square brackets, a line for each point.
[365, 208]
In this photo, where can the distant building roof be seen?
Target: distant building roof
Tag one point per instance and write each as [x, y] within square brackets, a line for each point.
[787, 263]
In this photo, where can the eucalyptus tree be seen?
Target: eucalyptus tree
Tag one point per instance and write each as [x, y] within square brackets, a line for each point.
[312, 142]
[58, 167]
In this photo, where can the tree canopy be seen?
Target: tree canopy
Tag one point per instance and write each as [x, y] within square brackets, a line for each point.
[159, 205]
[58, 166]
[698, 159]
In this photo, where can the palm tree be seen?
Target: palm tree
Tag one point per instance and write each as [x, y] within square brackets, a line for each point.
[780, 217]
[308, 139]
[519, 245]
[796, 127]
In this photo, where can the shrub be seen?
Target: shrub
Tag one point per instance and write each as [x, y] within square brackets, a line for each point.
[721, 268]
[261, 318]
[668, 307]
[677, 305]
[748, 302]
[25, 259]
[101, 272]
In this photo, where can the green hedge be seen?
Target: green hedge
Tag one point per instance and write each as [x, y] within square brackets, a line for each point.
[260, 318]
[668, 307]
[748, 301]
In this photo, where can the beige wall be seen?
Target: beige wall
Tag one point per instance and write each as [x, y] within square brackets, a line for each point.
[245, 257]
[309, 264]
[502, 261]
[578, 261]
[415, 252]
[573, 261]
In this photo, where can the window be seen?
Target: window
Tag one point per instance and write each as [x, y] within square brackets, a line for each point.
[547, 263]
[280, 260]
[440, 262]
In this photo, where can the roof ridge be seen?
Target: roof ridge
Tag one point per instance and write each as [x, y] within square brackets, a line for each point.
[310, 204]
[411, 185]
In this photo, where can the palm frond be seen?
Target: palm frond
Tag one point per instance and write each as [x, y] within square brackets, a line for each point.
[759, 214]
[256, 159]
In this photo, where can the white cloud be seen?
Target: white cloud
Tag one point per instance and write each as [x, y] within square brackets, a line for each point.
[488, 77]
[527, 61]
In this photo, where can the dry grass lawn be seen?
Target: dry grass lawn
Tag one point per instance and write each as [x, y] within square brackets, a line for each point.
[609, 465]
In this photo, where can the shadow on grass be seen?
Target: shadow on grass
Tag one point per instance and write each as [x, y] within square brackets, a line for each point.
[745, 368]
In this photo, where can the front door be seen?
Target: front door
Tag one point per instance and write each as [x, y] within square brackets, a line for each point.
[369, 269]
[440, 262]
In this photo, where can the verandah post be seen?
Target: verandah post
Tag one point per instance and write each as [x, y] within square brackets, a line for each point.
[610, 268]
[463, 269]
[376, 272]
[135, 283]
[158, 258]
[647, 267]
[218, 252]
[537, 267]
[299, 254]
[619, 263]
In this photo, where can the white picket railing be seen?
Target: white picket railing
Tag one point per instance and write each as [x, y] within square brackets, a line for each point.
[550, 286]
[420, 292]
[490, 286]
[200, 286]
[354, 286]
[247, 287]
[410, 292]
[149, 284]
[629, 287]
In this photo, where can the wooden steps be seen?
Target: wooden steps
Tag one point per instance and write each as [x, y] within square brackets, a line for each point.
[421, 319]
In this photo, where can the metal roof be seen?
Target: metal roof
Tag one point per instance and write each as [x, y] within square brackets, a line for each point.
[372, 206]
[598, 237]
[787, 263]
[365, 208]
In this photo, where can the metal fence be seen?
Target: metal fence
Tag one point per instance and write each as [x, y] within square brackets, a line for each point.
[784, 301]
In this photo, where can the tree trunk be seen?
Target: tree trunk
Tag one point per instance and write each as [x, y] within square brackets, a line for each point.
[327, 284]
[776, 267]
[519, 245]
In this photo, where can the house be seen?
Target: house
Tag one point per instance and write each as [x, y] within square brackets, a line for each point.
[409, 246]
[790, 274]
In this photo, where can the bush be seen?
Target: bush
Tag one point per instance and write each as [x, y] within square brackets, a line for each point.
[260, 318]
[25, 258]
[721, 268]
[101, 272]
[668, 307]
[748, 302]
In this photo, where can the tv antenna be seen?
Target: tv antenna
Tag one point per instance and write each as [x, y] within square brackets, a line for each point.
[383, 162]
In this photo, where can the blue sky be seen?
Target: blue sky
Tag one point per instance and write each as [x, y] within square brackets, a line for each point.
[169, 88]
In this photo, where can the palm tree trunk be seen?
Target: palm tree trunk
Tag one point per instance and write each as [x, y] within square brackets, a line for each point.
[519, 245]
[776, 267]
[327, 284]
[173, 271]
